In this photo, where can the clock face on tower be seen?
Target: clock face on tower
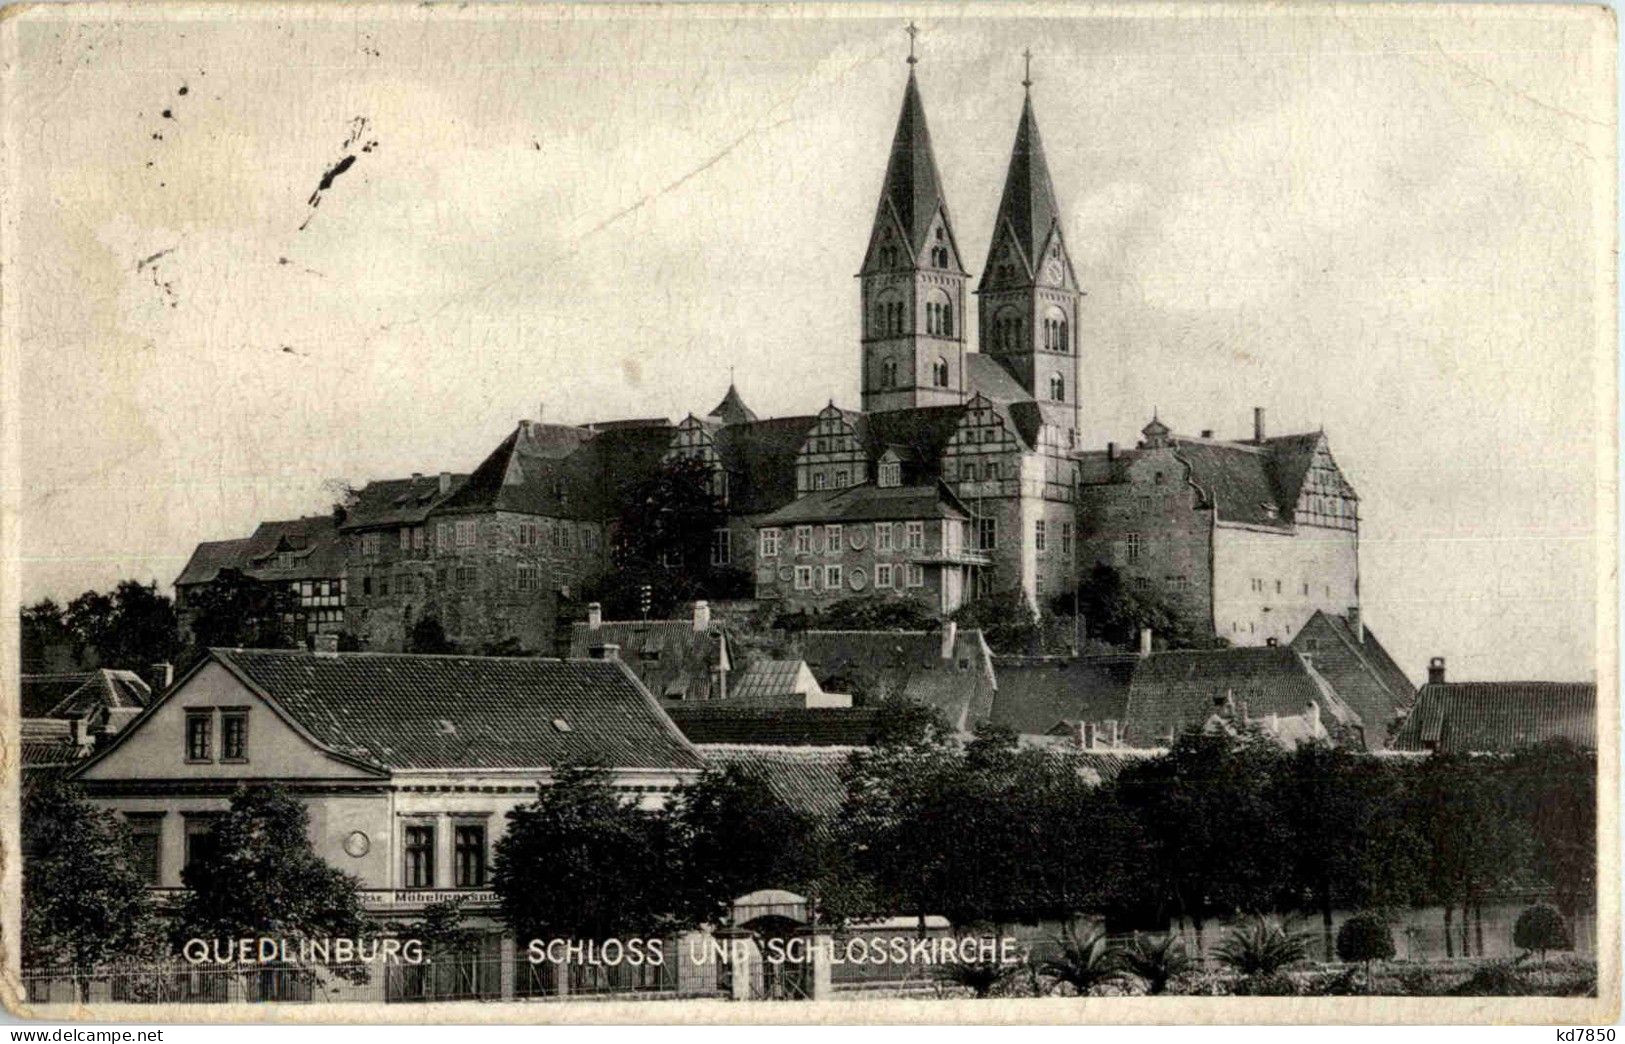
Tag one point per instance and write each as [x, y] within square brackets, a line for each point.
[1052, 270]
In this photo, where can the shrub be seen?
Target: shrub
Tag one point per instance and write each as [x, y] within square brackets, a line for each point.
[1260, 948]
[1541, 928]
[1267, 984]
[1499, 979]
[1083, 963]
[1364, 938]
[1158, 961]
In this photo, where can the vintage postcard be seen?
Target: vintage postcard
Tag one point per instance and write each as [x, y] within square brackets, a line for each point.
[982, 513]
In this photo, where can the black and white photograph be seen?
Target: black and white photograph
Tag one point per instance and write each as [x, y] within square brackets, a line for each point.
[809, 513]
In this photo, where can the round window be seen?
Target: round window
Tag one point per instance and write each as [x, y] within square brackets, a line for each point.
[857, 578]
[858, 539]
[357, 844]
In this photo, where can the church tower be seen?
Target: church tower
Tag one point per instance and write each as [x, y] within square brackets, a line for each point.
[914, 282]
[1028, 297]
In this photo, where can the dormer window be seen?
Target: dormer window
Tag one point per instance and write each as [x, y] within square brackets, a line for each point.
[890, 473]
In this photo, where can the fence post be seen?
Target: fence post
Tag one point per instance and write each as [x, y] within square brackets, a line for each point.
[506, 972]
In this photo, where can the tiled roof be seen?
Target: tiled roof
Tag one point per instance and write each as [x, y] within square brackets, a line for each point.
[1175, 690]
[985, 375]
[1036, 692]
[807, 779]
[824, 727]
[1028, 204]
[308, 548]
[401, 711]
[769, 680]
[389, 503]
[670, 658]
[1359, 669]
[1486, 717]
[913, 189]
[83, 694]
[47, 743]
[911, 664]
[868, 503]
[539, 469]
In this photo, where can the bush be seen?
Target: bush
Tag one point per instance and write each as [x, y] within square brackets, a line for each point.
[1083, 963]
[1541, 928]
[1267, 984]
[1500, 979]
[1260, 949]
[1364, 938]
[1157, 961]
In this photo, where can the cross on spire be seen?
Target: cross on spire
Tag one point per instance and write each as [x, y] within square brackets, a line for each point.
[1027, 80]
[912, 30]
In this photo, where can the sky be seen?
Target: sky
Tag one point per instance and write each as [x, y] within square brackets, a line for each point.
[1389, 224]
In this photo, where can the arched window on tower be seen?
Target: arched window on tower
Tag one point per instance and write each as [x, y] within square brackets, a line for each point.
[947, 320]
[888, 373]
[939, 372]
[1057, 387]
[1065, 341]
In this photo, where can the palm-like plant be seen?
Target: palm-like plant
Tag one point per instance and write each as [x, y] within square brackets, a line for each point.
[1158, 960]
[1260, 948]
[1083, 963]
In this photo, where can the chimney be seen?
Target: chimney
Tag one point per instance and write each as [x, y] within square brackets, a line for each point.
[1114, 737]
[163, 676]
[1111, 451]
[79, 732]
[1272, 642]
[416, 475]
[702, 615]
[1258, 424]
[541, 411]
[950, 636]
[595, 616]
[445, 482]
[1089, 735]
[325, 644]
[1207, 433]
[1145, 641]
[1080, 735]
[1356, 624]
[604, 651]
[1436, 671]
[1313, 711]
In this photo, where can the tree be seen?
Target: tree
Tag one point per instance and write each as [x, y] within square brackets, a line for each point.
[258, 876]
[1116, 611]
[236, 610]
[1554, 787]
[48, 644]
[879, 612]
[1006, 620]
[428, 636]
[132, 628]
[84, 902]
[581, 863]
[1365, 937]
[1540, 928]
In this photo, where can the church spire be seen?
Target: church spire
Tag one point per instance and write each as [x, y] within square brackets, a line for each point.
[1028, 210]
[912, 190]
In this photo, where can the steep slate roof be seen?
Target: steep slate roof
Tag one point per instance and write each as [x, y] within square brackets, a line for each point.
[807, 779]
[1028, 204]
[732, 408]
[404, 712]
[987, 375]
[1359, 669]
[670, 658]
[794, 727]
[911, 664]
[868, 502]
[82, 694]
[912, 188]
[538, 469]
[1499, 717]
[760, 459]
[1175, 690]
[313, 541]
[1037, 692]
[389, 503]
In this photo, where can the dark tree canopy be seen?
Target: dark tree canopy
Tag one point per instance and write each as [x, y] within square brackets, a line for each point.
[1006, 621]
[130, 627]
[1114, 612]
[239, 611]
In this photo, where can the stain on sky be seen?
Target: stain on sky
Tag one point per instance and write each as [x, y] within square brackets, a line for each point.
[358, 127]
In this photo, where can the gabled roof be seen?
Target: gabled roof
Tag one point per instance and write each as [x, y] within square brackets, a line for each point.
[388, 503]
[1358, 668]
[406, 712]
[912, 189]
[536, 470]
[768, 681]
[82, 694]
[986, 375]
[868, 502]
[308, 548]
[807, 779]
[918, 435]
[732, 408]
[1499, 717]
[1177, 689]
[911, 664]
[672, 659]
[795, 727]
[1028, 207]
[1038, 692]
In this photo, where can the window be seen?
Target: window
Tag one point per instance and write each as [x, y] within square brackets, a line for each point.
[819, 480]
[804, 578]
[1134, 544]
[987, 534]
[383, 586]
[1038, 535]
[199, 837]
[1277, 587]
[418, 871]
[883, 575]
[467, 576]
[916, 575]
[890, 473]
[883, 536]
[1057, 387]
[406, 538]
[442, 536]
[146, 845]
[770, 543]
[939, 373]
[469, 850]
[370, 545]
[888, 373]
[200, 736]
[832, 539]
[417, 538]
[530, 578]
[916, 536]
[527, 534]
[843, 479]
[465, 532]
[803, 540]
[234, 735]
[1066, 538]
[832, 578]
[722, 551]
[366, 585]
